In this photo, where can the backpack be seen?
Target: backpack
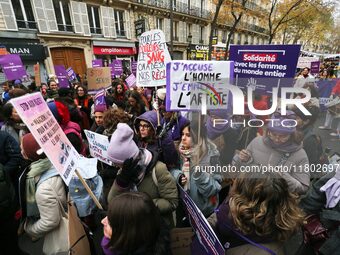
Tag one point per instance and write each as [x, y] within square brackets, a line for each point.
[7, 194]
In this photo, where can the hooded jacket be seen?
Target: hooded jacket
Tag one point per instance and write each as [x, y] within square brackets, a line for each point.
[165, 146]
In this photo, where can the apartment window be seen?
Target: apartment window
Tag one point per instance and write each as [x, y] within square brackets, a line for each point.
[175, 31]
[93, 12]
[119, 19]
[159, 23]
[201, 34]
[24, 14]
[62, 14]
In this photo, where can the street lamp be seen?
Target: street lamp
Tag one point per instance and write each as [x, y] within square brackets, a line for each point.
[189, 46]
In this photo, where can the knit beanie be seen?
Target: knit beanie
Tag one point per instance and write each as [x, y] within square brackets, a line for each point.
[30, 147]
[122, 145]
[283, 124]
[60, 112]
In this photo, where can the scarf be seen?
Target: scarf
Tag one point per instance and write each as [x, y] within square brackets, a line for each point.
[215, 131]
[37, 168]
[186, 155]
[145, 158]
[287, 147]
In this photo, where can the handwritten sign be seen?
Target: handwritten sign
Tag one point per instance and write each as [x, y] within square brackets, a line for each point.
[98, 78]
[152, 58]
[37, 79]
[263, 67]
[35, 113]
[98, 145]
[192, 85]
[203, 230]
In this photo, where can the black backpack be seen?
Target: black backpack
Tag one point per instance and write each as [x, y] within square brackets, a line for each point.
[7, 194]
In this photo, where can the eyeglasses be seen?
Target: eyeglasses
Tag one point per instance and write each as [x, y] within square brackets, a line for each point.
[144, 126]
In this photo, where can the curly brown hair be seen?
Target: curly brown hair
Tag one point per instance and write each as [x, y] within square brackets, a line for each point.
[112, 117]
[264, 206]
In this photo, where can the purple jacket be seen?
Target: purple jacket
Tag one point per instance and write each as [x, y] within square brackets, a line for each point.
[168, 154]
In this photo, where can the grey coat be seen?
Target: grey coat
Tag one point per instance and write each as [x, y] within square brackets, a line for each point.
[262, 155]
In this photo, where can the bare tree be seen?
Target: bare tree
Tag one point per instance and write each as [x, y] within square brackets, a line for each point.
[214, 25]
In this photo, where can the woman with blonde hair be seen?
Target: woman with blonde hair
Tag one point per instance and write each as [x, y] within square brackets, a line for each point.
[258, 209]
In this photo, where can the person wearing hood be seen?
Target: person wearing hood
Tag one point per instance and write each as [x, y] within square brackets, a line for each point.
[146, 130]
[141, 170]
[45, 194]
[281, 146]
[198, 156]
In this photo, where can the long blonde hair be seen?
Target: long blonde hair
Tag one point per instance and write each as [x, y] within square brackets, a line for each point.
[263, 205]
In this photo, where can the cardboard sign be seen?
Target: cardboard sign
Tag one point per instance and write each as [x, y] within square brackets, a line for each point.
[62, 76]
[192, 85]
[37, 79]
[98, 78]
[97, 63]
[152, 58]
[206, 236]
[131, 80]
[98, 145]
[35, 113]
[12, 66]
[263, 67]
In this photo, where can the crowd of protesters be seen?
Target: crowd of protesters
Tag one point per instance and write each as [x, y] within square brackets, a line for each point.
[154, 151]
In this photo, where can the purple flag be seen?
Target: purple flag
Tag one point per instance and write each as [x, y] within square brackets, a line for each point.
[12, 66]
[131, 80]
[97, 63]
[62, 76]
[99, 102]
[71, 74]
[134, 67]
[117, 67]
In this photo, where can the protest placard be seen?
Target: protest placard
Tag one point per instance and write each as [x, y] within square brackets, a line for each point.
[98, 145]
[98, 78]
[117, 67]
[315, 68]
[325, 87]
[62, 76]
[152, 58]
[37, 79]
[131, 80]
[38, 118]
[12, 66]
[306, 62]
[189, 82]
[206, 236]
[99, 101]
[71, 74]
[263, 67]
[134, 67]
[97, 63]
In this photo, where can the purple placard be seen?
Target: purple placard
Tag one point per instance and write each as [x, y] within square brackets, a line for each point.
[131, 80]
[99, 101]
[325, 87]
[71, 74]
[97, 63]
[117, 67]
[264, 66]
[134, 67]
[315, 67]
[12, 66]
[207, 237]
[112, 70]
[62, 76]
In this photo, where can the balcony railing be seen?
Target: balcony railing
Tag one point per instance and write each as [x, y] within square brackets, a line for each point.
[179, 7]
[26, 24]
